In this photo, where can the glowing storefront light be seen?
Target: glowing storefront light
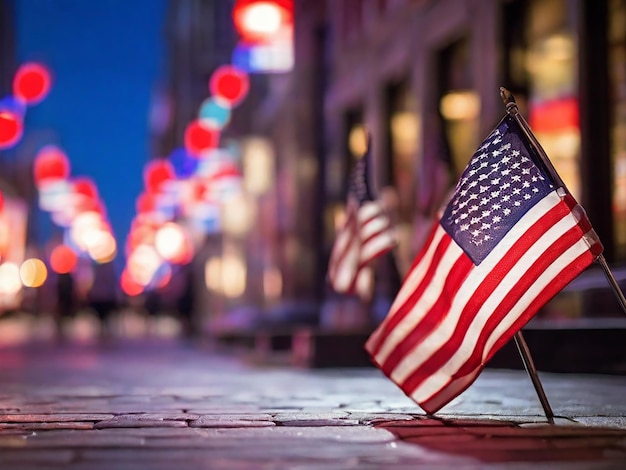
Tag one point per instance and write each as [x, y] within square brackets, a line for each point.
[357, 141]
[460, 105]
[258, 165]
[272, 283]
[238, 215]
[233, 276]
[226, 275]
[553, 105]
[213, 274]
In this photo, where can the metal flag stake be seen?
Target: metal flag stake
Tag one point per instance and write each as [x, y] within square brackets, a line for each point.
[512, 109]
[522, 346]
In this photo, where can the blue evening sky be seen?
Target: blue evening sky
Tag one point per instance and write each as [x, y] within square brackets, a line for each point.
[106, 57]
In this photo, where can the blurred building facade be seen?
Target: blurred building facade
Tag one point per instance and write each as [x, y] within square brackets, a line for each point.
[13, 187]
[423, 77]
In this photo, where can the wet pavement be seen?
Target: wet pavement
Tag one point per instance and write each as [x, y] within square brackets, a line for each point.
[162, 404]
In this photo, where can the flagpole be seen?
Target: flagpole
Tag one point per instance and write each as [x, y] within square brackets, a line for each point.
[522, 346]
[614, 285]
[529, 365]
[511, 108]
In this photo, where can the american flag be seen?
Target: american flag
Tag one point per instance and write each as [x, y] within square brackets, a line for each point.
[507, 242]
[366, 235]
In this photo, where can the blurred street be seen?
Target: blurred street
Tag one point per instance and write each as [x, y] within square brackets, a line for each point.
[159, 403]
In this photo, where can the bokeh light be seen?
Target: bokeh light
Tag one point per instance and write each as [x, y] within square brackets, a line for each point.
[63, 259]
[11, 129]
[229, 84]
[101, 246]
[261, 20]
[183, 163]
[129, 285]
[225, 275]
[162, 276]
[33, 272]
[83, 226]
[199, 136]
[31, 83]
[51, 163]
[215, 111]
[169, 241]
[143, 263]
[13, 105]
[146, 202]
[85, 186]
[155, 173]
[10, 282]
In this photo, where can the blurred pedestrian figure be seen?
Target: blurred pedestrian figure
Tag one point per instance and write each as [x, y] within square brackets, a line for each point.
[65, 302]
[185, 301]
[103, 297]
[153, 305]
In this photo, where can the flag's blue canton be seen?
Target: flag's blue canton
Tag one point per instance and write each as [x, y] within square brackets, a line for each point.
[500, 184]
[359, 187]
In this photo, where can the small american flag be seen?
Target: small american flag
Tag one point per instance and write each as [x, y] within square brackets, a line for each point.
[507, 242]
[366, 235]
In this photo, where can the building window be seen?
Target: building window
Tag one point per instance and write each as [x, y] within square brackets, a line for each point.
[402, 132]
[553, 108]
[540, 68]
[354, 146]
[459, 104]
[617, 80]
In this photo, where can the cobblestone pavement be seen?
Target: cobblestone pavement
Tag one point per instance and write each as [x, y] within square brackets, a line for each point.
[163, 405]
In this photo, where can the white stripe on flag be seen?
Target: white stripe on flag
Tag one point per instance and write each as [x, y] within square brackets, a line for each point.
[411, 282]
[442, 376]
[444, 331]
[430, 295]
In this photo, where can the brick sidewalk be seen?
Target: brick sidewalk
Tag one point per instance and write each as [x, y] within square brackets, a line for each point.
[149, 405]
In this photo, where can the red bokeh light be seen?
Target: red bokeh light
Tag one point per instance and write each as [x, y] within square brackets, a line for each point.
[85, 187]
[1, 201]
[199, 137]
[11, 129]
[31, 83]
[229, 84]
[129, 285]
[157, 172]
[146, 202]
[554, 115]
[62, 259]
[261, 20]
[50, 163]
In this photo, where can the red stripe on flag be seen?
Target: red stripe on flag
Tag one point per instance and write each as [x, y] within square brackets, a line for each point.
[566, 275]
[433, 317]
[406, 308]
[451, 390]
[485, 290]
